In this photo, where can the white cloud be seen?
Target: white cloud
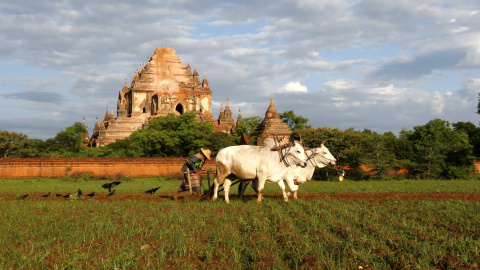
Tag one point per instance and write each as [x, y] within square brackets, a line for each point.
[460, 29]
[472, 58]
[340, 84]
[295, 87]
[365, 61]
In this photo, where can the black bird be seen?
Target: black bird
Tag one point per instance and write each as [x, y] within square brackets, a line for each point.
[22, 197]
[91, 194]
[151, 191]
[109, 186]
[110, 194]
[59, 195]
[79, 192]
[66, 196]
[46, 195]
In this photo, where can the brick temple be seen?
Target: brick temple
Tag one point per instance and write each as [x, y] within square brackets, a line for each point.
[162, 86]
[272, 127]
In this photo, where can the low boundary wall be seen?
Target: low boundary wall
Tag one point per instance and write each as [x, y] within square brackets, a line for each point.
[97, 167]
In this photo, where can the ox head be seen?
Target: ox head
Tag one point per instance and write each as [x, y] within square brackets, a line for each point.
[322, 156]
[298, 154]
[294, 152]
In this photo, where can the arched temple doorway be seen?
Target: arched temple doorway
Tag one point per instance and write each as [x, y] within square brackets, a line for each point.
[179, 110]
[154, 105]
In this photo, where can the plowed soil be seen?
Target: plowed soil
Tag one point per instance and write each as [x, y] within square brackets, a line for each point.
[377, 196]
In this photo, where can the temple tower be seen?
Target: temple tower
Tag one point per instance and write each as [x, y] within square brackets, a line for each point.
[272, 126]
[160, 87]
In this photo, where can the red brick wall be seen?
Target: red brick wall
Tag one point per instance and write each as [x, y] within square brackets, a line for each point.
[135, 167]
[54, 167]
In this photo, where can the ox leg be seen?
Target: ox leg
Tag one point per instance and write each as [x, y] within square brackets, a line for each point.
[215, 189]
[226, 188]
[216, 184]
[282, 187]
[222, 173]
[293, 188]
[295, 194]
[241, 188]
[255, 185]
[261, 185]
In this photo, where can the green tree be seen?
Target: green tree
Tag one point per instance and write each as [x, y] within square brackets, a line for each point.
[31, 148]
[67, 143]
[440, 150]
[346, 145]
[169, 136]
[219, 140]
[478, 105]
[377, 154]
[293, 121]
[144, 143]
[402, 149]
[247, 126]
[473, 133]
[14, 144]
[10, 141]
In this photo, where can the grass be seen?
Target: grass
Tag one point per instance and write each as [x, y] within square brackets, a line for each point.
[321, 233]
[142, 184]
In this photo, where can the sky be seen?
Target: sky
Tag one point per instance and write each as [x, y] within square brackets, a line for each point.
[364, 64]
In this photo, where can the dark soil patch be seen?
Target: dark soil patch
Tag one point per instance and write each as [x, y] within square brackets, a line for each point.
[357, 196]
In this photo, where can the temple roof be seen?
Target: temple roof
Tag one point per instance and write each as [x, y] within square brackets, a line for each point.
[272, 126]
[165, 73]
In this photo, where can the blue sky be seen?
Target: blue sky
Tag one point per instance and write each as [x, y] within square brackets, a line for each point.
[366, 64]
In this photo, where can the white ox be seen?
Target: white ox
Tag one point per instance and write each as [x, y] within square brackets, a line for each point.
[260, 163]
[317, 157]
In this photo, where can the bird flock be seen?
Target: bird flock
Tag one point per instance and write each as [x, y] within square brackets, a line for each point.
[79, 193]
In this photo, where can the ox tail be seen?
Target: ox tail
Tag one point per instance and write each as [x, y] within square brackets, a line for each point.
[221, 175]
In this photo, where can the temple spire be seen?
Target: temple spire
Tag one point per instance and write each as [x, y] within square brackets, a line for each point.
[271, 111]
[272, 126]
[205, 82]
[97, 127]
[107, 115]
[239, 118]
[228, 113]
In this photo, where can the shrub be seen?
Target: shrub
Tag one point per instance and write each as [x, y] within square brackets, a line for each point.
[454, 172]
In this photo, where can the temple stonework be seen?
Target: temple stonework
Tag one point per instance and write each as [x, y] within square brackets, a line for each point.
[272, 127]
[162, 86]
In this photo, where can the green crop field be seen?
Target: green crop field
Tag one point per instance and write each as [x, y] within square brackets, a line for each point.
[333, 225]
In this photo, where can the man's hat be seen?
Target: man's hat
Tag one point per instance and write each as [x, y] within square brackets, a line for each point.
[206, 152]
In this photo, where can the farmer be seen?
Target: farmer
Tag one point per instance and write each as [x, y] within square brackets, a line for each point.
[193, 164]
